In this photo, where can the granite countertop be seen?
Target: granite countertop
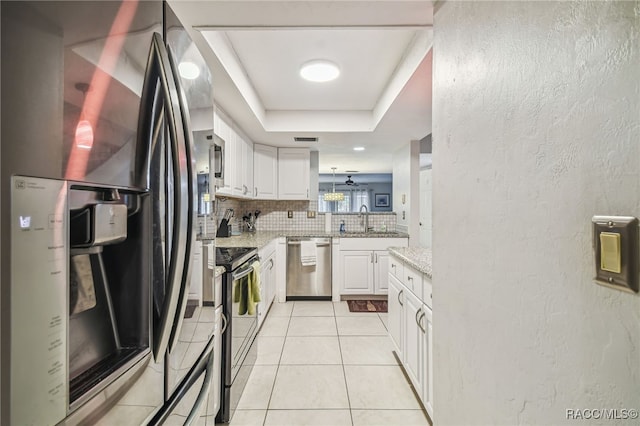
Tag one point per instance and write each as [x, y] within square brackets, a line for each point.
[260, 239]
[417, 257]
[219, 271]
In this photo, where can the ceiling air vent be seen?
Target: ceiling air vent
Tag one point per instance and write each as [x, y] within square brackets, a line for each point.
[305, 139]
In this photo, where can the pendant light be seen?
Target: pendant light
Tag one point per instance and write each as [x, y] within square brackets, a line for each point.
[333, 195]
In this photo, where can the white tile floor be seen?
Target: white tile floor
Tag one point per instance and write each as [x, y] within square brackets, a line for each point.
[319, 364]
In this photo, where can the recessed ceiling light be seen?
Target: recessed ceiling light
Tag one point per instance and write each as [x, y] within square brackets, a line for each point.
[358, 148]
[319, 71]
[189, 70]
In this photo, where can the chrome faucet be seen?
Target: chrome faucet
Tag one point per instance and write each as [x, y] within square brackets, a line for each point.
[366, 217]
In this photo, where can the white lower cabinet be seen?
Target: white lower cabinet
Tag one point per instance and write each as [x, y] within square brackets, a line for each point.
[414, 338]
[380, 272]
[195, 287]
[410, 325]
[267, 279]
[357, 271]
[395, 317]
[363, 265]
[427, 344]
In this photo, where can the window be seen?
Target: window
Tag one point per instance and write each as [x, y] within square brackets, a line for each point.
[353, 199]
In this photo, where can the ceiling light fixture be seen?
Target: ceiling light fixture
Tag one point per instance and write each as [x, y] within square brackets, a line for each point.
[358, 148]
[333, 195]
[189, 70]
[319, 71]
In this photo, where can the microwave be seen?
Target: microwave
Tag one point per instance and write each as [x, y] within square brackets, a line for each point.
[216, 160]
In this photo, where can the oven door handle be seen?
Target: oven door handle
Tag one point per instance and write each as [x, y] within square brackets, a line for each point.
[242, 273]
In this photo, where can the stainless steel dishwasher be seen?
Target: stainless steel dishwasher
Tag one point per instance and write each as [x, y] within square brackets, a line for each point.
[309, 276]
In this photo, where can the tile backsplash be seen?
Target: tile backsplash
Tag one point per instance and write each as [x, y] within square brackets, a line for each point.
[274, 216]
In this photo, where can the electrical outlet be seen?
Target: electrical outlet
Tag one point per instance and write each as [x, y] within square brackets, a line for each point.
[290, 214]
[311, 214]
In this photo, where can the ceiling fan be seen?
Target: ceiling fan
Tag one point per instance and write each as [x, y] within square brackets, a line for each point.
[350, 182]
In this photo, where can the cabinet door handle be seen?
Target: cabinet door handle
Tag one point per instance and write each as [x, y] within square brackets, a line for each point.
[393, 265]
[409, 278]
[400, 301]
[376, 257]
[424, 314]
[418, 320]
[256, 191]
[307, 193]
[371, 257]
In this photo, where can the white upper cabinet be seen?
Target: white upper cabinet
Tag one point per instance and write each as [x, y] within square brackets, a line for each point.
[243, 167]
[265, 172]
[222, 129]
[294, 166]
[238, 161]
[247, 167]
[237, 183]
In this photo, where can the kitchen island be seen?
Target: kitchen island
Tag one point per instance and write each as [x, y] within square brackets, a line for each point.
[410, 320]
[418, 258]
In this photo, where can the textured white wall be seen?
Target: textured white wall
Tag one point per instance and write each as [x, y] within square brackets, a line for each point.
[406, 176]
[536, 129]
[426, 211]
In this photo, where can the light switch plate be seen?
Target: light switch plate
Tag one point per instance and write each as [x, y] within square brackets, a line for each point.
[627, 229]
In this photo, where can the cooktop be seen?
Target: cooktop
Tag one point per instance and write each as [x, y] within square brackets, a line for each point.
[232, 257]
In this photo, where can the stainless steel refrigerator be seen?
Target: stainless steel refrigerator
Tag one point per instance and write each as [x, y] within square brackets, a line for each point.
[98, 217]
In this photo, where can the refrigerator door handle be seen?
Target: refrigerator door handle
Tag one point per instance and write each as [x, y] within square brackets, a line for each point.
[203, 394]
[188, 173]
[204, 362]
[159, 82]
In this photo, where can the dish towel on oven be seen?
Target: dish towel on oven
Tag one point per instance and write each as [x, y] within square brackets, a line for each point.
[308, 253]
[247, 291]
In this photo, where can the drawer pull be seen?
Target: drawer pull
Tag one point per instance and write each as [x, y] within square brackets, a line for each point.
[400, 301]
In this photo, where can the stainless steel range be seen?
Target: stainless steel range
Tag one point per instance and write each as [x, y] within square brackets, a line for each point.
[238, 348]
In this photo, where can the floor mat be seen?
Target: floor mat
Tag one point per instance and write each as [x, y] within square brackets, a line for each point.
[367, 305]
